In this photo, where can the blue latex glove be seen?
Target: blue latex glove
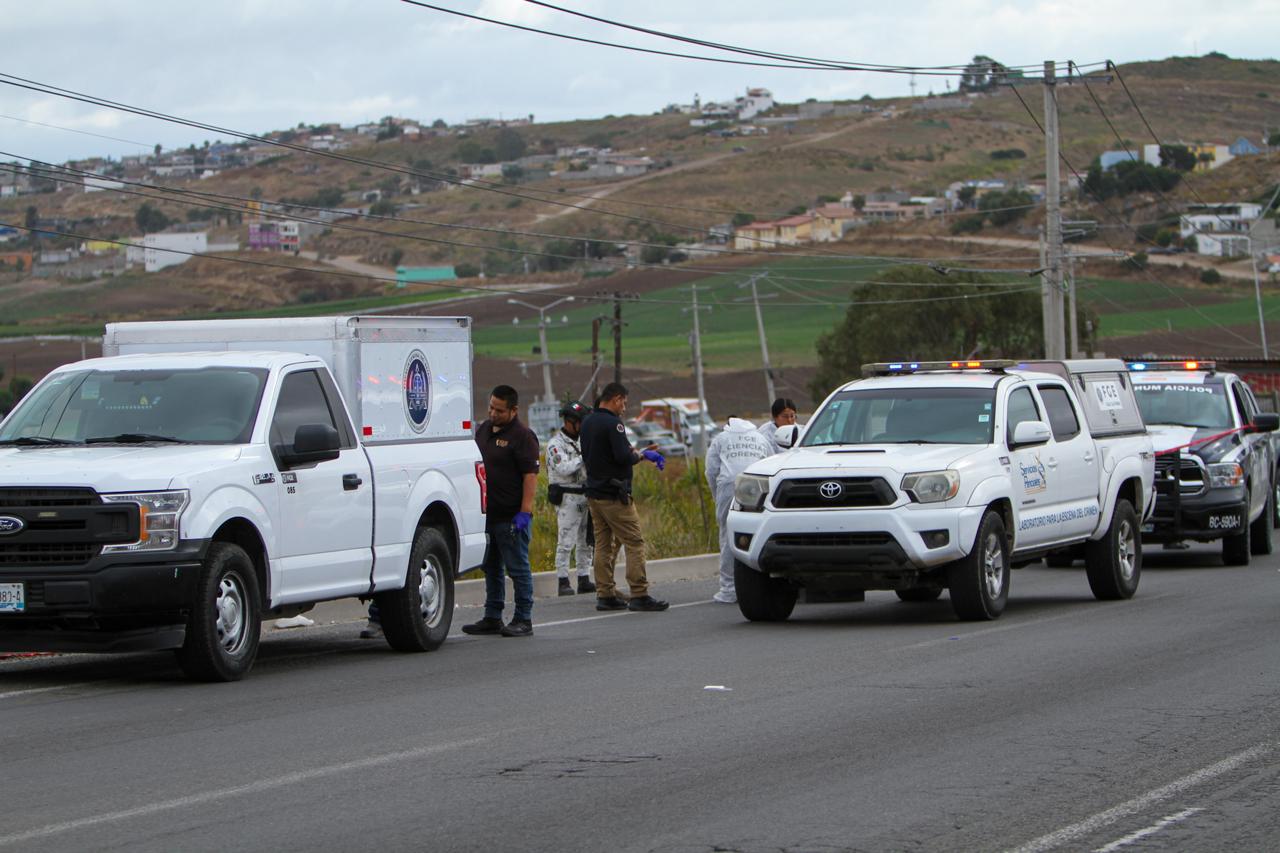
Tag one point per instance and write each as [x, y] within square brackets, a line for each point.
[522, 521]
[655, 457]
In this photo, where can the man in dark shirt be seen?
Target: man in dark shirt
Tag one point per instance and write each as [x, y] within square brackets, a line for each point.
[609, 457]
[510, 453]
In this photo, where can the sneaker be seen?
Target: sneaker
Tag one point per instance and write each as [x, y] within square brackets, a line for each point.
[647, 603]
[372, 631]
[566, 588]
[518, 628]
[487, 625]
[585, 584]
[724, 597]
[611, 603]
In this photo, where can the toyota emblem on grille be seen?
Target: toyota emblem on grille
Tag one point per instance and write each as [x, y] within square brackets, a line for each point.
[831, 490]
[10, 525]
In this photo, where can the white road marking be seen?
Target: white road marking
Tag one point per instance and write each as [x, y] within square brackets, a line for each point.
[1168, 820]
[611, 615]
[237, 791]
[15, 693]
[1111, 815]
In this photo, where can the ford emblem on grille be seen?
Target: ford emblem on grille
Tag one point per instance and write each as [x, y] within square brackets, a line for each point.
[10, 525]
[831, 490]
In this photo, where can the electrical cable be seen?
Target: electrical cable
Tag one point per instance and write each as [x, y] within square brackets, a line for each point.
[1143, 269]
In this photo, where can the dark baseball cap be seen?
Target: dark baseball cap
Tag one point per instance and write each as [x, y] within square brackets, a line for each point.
[574, 411]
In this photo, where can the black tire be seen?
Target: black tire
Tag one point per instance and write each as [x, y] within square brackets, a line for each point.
[1114, 562]
[1064, 560]
[225, 622]
[417, 617]
[1260, 540]
[1275, 497]
[979, 583]
[919, 594]
[1237, 548]
[762, 598]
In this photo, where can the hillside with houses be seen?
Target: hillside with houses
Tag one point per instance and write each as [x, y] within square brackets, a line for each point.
[403, 200]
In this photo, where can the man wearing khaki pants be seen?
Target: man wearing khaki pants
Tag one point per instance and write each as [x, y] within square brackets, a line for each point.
[609, 458]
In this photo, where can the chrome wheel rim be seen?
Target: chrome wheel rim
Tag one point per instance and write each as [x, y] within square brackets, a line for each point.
[431, 591]
[230, 620]
[992, 566]
[1126, 550]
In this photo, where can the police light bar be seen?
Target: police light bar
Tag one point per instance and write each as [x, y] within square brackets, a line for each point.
[893, 368]
[1189, 364]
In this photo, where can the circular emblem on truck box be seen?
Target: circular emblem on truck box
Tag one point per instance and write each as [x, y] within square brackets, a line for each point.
[10, 525]
[831, 490]
[417, 391]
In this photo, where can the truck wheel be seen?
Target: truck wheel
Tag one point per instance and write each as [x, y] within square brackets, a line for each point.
[979, 583]
[760, 597]
[417, 617]
[1114, 562]
[1260, 536]
[919, 593]
[1237, 547]
[1275, 497]
[224, 624]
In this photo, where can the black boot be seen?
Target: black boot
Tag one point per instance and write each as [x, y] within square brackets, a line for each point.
[566, 588]
[585, 584]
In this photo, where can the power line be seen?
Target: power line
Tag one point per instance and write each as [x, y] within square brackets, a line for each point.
[73, 130]
[833, 64]
[49, 89]
[635, 48]
[1143, 269]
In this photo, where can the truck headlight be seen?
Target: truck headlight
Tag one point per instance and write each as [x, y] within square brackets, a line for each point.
[750, 490]
[1223, 475]
[158, 516]
[931, 486]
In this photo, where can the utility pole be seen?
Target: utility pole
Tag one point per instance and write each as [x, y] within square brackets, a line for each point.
[595, 359]
[1074, 349]
[764, 343]
[696, 339]
[1054, 321]
[548, 395]
[617, 337]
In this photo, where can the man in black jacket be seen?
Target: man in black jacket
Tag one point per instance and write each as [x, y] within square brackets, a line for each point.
[609, 457]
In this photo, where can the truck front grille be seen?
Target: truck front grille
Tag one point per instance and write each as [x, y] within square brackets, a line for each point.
[817, 493]
[1180, 472]
[61, 527]
[829, 540]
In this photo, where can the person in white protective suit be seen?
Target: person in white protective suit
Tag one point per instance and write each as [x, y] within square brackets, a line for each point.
[783, 413]
[567, 477]
[728, 456]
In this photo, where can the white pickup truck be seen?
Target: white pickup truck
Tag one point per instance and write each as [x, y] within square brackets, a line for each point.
[933, 475]
[206, 475]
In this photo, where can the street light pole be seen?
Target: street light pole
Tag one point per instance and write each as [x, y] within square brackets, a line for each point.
[548, 395]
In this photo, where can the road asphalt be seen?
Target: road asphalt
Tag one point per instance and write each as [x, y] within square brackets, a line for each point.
[1068, 724]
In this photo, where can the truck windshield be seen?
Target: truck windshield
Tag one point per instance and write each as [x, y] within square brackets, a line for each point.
[1184, 404]
[905, 416]
[213, 405]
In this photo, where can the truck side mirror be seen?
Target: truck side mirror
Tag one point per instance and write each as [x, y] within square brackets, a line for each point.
[788, 436]
[1029, 433]
[312, 443]
[1266, 422]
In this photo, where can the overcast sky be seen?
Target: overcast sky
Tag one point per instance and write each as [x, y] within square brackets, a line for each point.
[257, 65]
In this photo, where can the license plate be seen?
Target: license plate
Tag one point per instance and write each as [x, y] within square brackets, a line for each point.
[1148, 528]
[1224, 522]
[12, 598]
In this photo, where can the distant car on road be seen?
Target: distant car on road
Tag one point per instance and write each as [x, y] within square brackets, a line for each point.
[667, 444]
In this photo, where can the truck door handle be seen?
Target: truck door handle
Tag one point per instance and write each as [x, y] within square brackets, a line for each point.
[1052, 463]
[351, 482]
[1088, 456]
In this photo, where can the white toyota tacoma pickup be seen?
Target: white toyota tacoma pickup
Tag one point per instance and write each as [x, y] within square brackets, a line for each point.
[211, 474]
[945, 475]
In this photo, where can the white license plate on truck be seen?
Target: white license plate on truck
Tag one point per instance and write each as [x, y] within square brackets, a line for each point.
[12, 598]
